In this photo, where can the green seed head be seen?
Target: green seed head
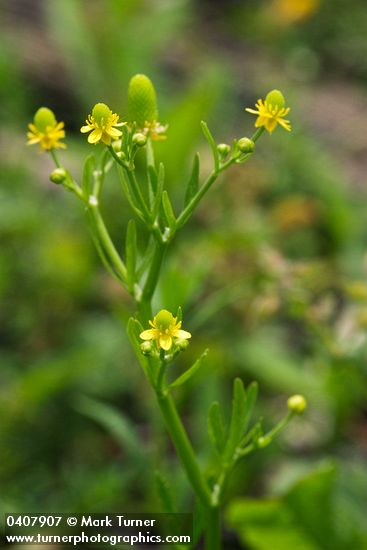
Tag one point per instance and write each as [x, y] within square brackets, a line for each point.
[101, 113]
[275, 98]
[164, 319]
[297, 404]
[245, 145]
[139, 139]
[142, 100]
[58, 175]
[44, 118]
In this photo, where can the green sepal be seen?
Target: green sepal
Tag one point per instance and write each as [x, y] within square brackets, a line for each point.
[193, 183]
[131, 254]
[168, 211]
[189, 372]
[216, 427]
[212, 144]
[88, 168]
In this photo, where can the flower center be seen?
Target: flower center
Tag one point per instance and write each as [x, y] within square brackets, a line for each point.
[101, 113]
[164, 320]
[43, 119]
[275, 98]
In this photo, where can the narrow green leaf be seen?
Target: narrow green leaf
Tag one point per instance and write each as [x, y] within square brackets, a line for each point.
[115, 423]
[168, 211]
[153, 182]
[216, 427]
[211, 142]
[129, 195]
[165, 493]
[87, 175]
[189, 372]
[237, 418]
[193, 183]
[251, 396]
[147, 257]
[159, 191]
[131, 253]
[134, 328]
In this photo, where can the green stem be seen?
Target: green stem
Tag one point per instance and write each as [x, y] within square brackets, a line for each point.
[134, 185]
[186, 213]
[213, 531]
[154, 270]
[183, 447]
[106, 241]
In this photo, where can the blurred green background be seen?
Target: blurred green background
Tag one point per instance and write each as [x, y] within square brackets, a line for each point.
[271, 272]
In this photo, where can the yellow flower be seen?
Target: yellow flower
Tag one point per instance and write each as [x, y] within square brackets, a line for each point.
[155, 130]
[271, 112]
[103, 122]
[46, 131]
[165, 329]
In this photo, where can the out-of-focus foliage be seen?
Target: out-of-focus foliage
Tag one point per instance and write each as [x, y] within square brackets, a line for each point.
[271, 272]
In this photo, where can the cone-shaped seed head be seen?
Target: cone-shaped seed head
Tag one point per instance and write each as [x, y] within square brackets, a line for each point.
[142, 100]
[44, 118]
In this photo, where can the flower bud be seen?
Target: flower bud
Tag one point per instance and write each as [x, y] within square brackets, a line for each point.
[139, 139]
[142, 100]
[147, 348]
[44, 118]
[182, 345]
[297, 404]
[116, 145]
[245, 145]
[223, 149]
[263, 441]
[275, 98]
[121, 155]
[58, 175]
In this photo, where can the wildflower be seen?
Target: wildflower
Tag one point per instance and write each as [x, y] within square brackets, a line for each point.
[297, 404]
[46, 131]
[164, 329]
[103, 122]
[143, 109]
[271, 112]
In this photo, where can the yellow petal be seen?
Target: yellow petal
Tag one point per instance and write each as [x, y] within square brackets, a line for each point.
[106, 138]
[114, 133]
[95, 136]
[85, 129]
[148, 335]
[271, 125]
[183, 334]
[252, 111]
[285, 123]
[165, 341]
